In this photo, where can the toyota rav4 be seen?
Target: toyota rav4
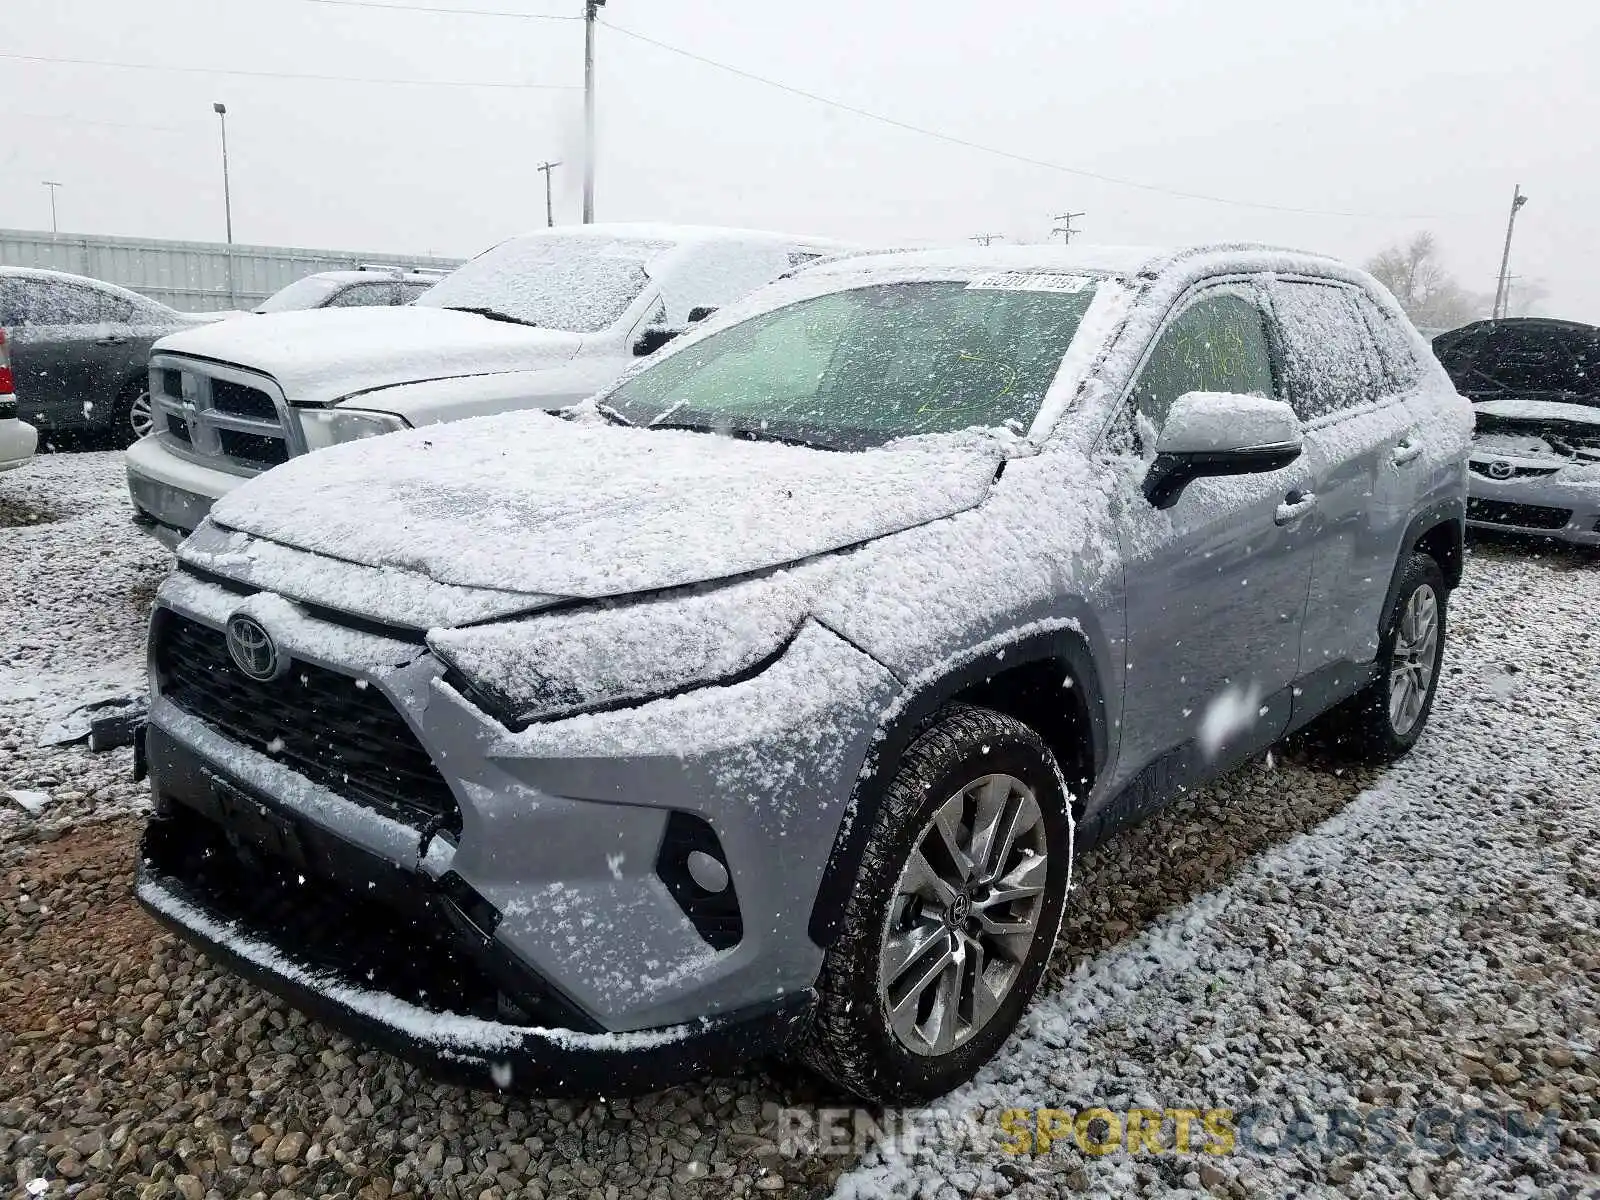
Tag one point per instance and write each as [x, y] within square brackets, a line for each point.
[760, 704]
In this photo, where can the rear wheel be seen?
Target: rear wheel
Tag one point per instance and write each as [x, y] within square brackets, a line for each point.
[134, 417]
[1387, 717]
[956, 910]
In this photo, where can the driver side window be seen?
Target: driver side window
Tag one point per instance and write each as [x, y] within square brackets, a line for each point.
[1217, 344]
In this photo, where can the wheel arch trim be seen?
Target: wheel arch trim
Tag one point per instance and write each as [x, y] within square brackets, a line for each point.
[1062, 642]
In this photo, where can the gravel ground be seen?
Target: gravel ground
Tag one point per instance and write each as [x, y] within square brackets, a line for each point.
[1294, 938]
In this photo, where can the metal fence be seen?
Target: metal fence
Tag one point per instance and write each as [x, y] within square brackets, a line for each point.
[191, 276]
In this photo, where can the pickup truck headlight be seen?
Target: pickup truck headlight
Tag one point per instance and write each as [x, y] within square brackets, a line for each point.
[610, 655]
[329, 426]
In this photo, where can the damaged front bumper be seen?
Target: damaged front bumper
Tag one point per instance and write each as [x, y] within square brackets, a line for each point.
[529, 929]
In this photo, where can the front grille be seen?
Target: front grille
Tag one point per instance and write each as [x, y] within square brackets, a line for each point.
[1526, 516]
[221, 417]
[230, 397]
[331, 728]
[1481, 468]
[255, 448]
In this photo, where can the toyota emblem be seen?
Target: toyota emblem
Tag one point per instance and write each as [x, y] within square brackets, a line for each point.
[1501, 469]
[252, 649]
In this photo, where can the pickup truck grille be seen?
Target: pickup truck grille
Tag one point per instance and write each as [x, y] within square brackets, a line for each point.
[204, 413]
[321, 723]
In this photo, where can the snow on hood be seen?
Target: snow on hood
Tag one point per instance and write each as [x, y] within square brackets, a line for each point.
[326, 355]
[531, 503]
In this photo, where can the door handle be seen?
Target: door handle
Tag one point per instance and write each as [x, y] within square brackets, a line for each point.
[1295, 505]
[1406, 451]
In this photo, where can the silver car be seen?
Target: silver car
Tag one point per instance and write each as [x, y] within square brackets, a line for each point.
[760, 705]
[1535, 388]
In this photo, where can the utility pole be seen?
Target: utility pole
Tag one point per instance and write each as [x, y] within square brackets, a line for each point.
[986, 239]
[591, 9]
[1065, 229]
[1500, 288]
[549, 204]
[52, 185]
[227, 200]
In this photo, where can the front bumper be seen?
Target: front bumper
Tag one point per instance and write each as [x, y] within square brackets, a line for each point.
[329, 955]
[171, 494]
[556, 873]
[18, 441]
[1541, 506]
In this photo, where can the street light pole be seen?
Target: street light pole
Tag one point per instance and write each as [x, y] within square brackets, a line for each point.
[52, 185]
[1502, 296]
[549, 203]
[227, 199]
[590, 9]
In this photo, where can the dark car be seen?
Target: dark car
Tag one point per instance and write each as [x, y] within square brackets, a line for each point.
[1534, 384]
[80, 351]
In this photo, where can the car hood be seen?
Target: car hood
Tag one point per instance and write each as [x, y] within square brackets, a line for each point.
[530, 503]
[326, 355]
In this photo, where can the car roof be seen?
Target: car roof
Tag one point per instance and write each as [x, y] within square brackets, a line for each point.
[68, 277]
[379, 274]
[1084, 257]
[686, 234]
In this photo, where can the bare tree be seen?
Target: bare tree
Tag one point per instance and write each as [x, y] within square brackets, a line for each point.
[1429, 294]
[1524, 295]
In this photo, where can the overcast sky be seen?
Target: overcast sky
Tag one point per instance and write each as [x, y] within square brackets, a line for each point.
[1402, 114]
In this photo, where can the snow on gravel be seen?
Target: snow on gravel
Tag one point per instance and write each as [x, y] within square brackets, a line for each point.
[1295, 938]
[1434, 945]
[76, 583]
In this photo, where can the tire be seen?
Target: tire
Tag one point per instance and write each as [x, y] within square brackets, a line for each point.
[125, 428]
[854, 1041]
[1370, 728]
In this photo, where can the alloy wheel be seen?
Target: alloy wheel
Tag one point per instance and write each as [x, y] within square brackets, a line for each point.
[141, 415]
[1413, 660]
[964, 914]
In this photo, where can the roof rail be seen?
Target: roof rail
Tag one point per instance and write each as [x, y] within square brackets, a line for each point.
[402, 269]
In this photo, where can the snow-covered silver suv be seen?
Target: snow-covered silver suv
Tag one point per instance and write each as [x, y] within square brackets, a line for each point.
[758, 705]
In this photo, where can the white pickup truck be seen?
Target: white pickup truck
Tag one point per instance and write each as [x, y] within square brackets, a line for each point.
[539, 321]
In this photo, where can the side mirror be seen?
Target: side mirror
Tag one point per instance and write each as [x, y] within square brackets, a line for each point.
[700, 312]
[1220, 433]
[652, 339]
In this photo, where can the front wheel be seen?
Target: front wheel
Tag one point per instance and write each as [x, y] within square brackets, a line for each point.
[956, 910]
[1387, 717]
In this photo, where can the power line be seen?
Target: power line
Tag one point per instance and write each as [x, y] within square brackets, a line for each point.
[128, 66]
[455, 12]
[994, 150]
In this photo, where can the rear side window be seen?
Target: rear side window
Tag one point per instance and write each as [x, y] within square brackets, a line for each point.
[1328, 355]
[1217, 344]
[363, 295]
[1395, 358]
[46, 302]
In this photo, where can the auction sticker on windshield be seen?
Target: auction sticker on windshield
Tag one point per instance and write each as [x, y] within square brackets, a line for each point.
[1030, 281]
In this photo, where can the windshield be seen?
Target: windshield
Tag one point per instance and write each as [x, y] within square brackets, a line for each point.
[302, 293]
[858, 368]
[574, 283]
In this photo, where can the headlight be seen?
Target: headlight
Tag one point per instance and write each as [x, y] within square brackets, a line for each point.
[330, 426]
[543, 667]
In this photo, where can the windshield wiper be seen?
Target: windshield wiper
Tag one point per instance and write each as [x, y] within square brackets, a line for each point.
[740, 434]
[494, 314]
[612, 415]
